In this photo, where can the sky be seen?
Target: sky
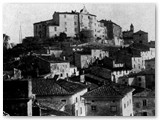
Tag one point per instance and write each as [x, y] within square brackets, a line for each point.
[141, 15]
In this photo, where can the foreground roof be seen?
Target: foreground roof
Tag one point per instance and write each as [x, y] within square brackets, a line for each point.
[56, 88]
[49, 103]
[109, 91]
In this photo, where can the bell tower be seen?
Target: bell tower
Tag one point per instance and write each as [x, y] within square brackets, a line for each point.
[132, 28]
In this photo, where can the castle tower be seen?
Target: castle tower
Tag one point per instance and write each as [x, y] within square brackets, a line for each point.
[132, 28]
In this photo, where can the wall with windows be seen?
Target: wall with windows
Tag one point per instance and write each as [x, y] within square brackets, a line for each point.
[127, 105]
[69, 24]
[74, 103]
[144, 106]
[102, 107]
[116, 74]
[61, 69]
[98, 53]
[137, 64]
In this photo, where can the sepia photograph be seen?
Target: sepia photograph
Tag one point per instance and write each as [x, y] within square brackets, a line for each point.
[79, 59]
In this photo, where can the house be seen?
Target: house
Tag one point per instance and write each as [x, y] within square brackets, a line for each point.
[99, 53]
[52, 108]
[144, 79]
[54, 51]
[116, 68]
[18, 97]
[144, 102]
[71, 23]
[146, 52]
[83, 59]
[73, 71]
[114, 32]
[54, 66]
[150, 64]
[128, 35]
[65, 91]
[109, 100]
[140, 37]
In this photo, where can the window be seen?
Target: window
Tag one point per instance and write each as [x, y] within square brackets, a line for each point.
[134, 66]
[80, 110]
[93, 108]
[139, 79]
[66, 29]
[144, 114]
[144, 102]
[139, 84]
[113, 108]
[127, 103]
[63, 101]
[75, 23]
[76, 112]
[138, 105]
[64, 16]
[124, 105]
[76, 99]
[75, 29]
[65, 23]
[61, 74]
[92, 100]
[55, 28]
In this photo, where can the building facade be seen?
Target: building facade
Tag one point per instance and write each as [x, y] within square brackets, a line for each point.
[65, 91]
[144, 103]
[71, 23]
[105, 101]
[140, 37]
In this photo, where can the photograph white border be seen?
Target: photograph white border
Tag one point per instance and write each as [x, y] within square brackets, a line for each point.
[157, 2]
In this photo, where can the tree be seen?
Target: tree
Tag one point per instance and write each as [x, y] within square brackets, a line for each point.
[62, 36]
[6, 38]
[86, 35]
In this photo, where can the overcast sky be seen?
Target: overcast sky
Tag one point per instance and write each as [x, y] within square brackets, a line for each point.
[142, 16]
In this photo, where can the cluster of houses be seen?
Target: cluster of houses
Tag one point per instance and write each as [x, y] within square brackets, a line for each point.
[92, 79]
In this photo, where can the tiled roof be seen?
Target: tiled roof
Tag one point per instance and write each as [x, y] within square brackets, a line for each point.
[51, 59]
[47, 87]
[140, 32]
[49, 103]
[92, 86]
[145, 93]
[140, 46]
[51, 112]
[95, 77]
[71, 87]
[144, 72]
[109, 91]
[153, 59]
[101, 72]
[56, 88]
[46, 22]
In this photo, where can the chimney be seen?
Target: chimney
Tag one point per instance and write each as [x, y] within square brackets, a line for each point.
[64, 58]
[82, 77]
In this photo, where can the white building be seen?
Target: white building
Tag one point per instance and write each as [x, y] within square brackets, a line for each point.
[70, 23]
[109, 100]
[65, 91]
